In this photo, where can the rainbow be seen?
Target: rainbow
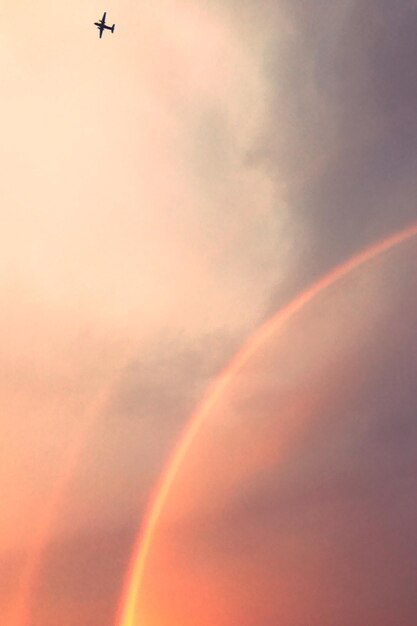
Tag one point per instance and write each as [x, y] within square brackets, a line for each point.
[127, 609]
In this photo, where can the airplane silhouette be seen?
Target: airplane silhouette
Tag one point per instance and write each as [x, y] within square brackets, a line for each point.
[101, 25]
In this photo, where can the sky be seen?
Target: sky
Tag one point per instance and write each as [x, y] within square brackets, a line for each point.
[166, 190]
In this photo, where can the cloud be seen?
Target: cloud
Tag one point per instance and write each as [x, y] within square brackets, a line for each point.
[340, 142]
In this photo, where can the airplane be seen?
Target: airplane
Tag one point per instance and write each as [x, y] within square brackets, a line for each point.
[101, 25]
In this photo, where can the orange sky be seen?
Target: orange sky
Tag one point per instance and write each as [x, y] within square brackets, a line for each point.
[164, 191]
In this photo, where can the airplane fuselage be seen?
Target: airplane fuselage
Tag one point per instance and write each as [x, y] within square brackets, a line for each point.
[102, 26]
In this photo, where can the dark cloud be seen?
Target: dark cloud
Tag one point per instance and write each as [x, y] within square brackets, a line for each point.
[342, 139]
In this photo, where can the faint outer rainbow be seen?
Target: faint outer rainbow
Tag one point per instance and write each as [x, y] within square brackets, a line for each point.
[141, 551]
[43, 527]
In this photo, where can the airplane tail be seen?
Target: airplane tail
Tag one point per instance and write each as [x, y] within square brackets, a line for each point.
[112, 28]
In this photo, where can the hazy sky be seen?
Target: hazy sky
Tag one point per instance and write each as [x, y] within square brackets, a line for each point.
[165, 190]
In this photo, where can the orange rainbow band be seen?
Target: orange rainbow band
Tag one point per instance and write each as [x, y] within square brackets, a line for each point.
[141, 550]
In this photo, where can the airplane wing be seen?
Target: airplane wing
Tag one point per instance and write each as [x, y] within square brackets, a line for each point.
[103, 19]
[101, 32]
